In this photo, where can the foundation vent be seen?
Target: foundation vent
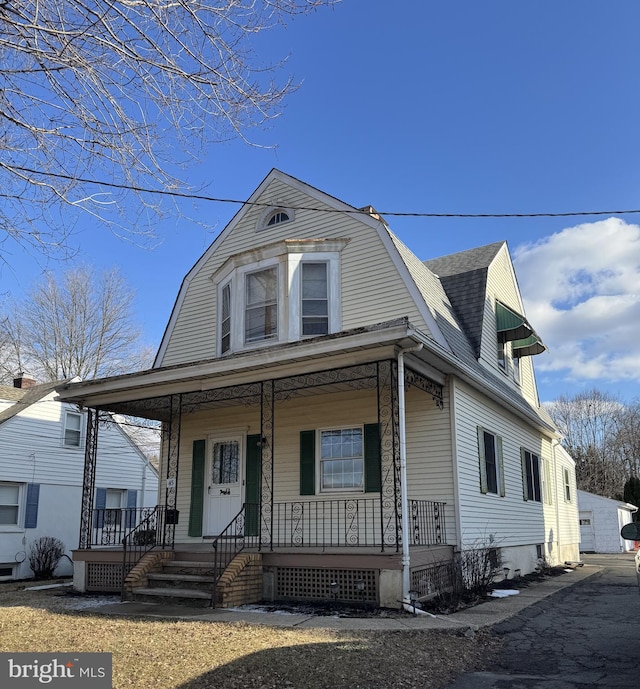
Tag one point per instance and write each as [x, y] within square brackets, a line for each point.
[344, 585]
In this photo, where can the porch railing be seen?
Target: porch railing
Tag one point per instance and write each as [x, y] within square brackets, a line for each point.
[242, 532]
[109, 526]
[351, 523]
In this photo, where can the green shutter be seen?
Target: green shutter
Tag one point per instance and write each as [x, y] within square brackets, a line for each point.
[372, 464]
[484, 488]
[307, 462]
[252, 485]
[525, 483]
[500, 463]
[197, 488]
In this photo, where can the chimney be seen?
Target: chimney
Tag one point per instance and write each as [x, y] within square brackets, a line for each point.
[24, 381]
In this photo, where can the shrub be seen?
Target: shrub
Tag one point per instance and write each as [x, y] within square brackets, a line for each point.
[44, 555]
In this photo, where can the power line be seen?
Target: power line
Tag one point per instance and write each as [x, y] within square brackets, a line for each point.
[354, 211]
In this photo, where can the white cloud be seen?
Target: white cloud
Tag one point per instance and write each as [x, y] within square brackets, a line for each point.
[581, 288]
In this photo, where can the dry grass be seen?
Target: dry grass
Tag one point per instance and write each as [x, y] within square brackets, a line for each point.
[171, 654]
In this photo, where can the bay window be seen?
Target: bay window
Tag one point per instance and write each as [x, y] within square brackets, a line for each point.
[261, 305]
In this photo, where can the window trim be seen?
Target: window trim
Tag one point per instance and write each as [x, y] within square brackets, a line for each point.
[20, 505]
[67, 414]
[531, 468]
[271, 212]
[319, 460]
[499, 463]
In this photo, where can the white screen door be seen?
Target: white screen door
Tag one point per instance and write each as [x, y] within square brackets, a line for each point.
[224, 483]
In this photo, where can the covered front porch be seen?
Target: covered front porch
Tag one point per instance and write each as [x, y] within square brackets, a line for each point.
[231, 484]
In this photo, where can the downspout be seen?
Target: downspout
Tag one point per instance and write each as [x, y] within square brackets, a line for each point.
[404, 494]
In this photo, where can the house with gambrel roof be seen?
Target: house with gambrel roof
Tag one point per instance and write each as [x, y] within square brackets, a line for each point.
[339, 417]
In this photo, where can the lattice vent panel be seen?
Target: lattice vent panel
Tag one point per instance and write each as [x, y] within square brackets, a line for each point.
[104, 577]
[350, 585]
[434, 579]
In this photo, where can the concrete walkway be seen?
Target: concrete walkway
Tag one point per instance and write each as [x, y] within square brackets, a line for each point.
[486, 614]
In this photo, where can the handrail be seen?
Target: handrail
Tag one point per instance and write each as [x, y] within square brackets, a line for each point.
[241, 532]
[146, 536]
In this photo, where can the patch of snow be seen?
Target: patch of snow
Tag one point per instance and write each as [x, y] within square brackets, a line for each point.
[47, 586]
[262, 609]
[503, 593]
[84, 602]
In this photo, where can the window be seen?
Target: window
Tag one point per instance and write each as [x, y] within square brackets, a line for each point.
[6, 572]
[225, 322]
[491, 466]
[341, 459]
[546, 482]
[531, 476]
[567, 485]
[9, 504]
[72, 429]
[261, 305]
[277, 218]
[502, 356]
[315, 299]
[225, 467]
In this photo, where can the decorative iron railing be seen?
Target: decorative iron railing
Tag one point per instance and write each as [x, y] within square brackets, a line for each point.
[148, 534]
[427, 522]
[109, 526]
[242, 532]
[351, 523]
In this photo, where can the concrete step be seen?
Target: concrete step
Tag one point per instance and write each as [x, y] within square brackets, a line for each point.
[173, 596]
[197, 582]
[188, 567]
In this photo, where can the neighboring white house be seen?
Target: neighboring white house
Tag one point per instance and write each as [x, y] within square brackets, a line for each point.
[346, 413]
[42, 448]
[600, 522]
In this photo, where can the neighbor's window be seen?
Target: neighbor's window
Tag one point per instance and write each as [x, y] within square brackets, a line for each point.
[341, 459]
[531, 476]
[491, 469]
[315, 299]
[72, 429]
[9, 504]
[261, 305]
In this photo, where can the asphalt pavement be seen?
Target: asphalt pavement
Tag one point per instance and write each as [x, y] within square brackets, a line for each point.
[586, 635]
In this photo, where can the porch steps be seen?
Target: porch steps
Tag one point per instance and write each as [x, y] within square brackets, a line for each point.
[187, 580]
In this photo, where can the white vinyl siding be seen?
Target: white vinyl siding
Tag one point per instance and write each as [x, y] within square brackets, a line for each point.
[366, 271]
[482, 516]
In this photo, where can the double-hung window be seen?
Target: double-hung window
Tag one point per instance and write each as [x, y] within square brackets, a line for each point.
[261, 305]
[491, 465]
[315, 298]
[342, 459]
[531, 489]
[567, 485]
[9, 504]
[72, 429]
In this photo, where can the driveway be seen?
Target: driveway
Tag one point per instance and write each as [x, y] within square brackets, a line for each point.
[587, 635]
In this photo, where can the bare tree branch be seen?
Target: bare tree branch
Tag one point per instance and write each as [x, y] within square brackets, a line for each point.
[115, 90]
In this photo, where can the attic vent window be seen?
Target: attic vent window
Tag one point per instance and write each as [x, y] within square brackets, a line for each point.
[277, 218]
[275, 215]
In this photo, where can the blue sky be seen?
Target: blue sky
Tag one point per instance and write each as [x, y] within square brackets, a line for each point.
[462, 107]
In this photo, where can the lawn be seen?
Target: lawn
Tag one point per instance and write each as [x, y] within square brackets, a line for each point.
[170, 654]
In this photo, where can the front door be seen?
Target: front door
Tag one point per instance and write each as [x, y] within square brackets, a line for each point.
[223, 489]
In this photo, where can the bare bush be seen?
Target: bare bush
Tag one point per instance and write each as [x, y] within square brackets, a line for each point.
[44, 555]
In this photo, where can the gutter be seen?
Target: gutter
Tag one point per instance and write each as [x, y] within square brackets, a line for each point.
[404, 495]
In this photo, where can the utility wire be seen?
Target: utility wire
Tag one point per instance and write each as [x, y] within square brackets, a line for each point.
[354, 211]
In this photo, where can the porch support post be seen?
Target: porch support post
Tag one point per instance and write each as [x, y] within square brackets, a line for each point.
[267, 413]
[172, 440]
[267, 404]
[89, 479]
[390, 483]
